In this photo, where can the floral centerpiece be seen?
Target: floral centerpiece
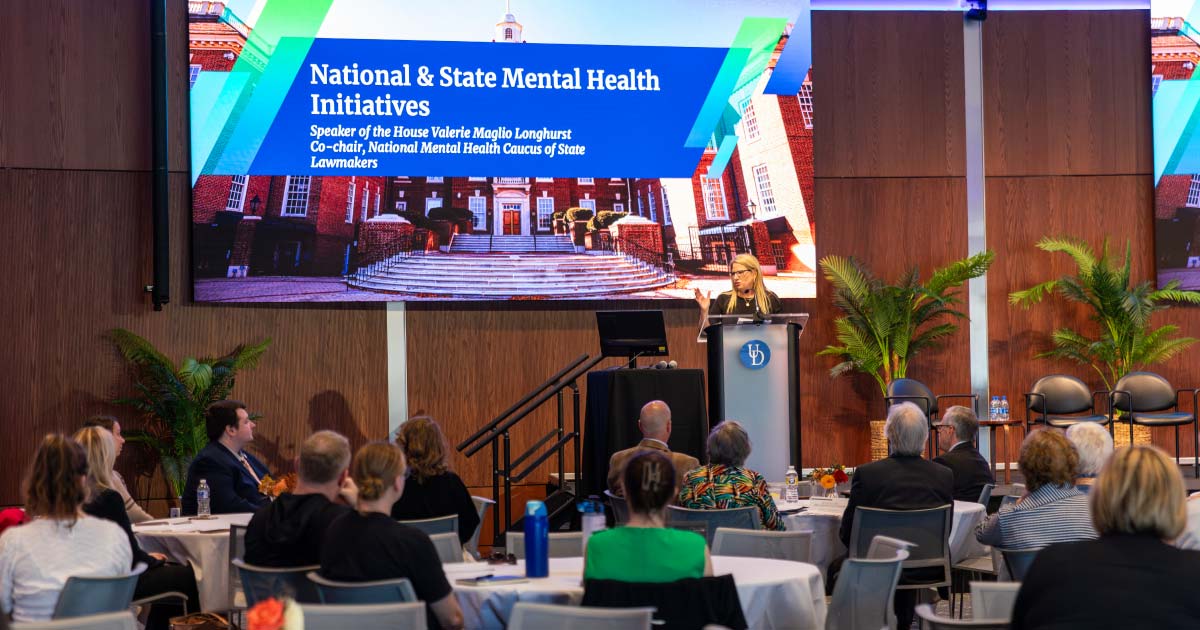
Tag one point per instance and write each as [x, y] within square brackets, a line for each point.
[273, 487]
[830, 477]
[275, 614]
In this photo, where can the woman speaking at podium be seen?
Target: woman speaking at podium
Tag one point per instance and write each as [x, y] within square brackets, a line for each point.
[749, 295]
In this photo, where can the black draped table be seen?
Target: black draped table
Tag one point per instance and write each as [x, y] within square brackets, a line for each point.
[613, 401]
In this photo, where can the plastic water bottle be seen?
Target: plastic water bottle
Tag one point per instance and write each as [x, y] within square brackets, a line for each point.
[203, 506]
[1004, 408]
[537, 540]
[592, 519]
[791, 492]
[994, 409]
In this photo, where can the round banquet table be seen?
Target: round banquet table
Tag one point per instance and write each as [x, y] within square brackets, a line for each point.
[773, 593]
[824, 518]
[203, 543]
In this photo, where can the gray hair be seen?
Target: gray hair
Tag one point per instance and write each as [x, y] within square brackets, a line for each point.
[1093, 444]
[907, 429]
[964, 421]
[728, 444]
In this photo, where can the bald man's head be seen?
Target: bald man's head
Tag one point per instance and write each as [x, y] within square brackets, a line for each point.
[655, 420]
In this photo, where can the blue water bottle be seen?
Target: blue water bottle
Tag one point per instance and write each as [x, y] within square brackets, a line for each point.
[537, 540]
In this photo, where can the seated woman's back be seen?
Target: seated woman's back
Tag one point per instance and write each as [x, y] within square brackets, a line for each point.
[439, 495]
[644, 554]
[1050, 515]
[721, 487]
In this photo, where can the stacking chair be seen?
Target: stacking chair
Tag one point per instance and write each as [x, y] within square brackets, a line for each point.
[237, 550]
[1018, 561]
[620, 508]
[82, 596]
[1149, 400]
[862, 596]
[985, 496]
[376, 592]
[686, 603]
[409, 615]
[735, 518]
[259, 583]
[994, 600]
[916, 392]
[749, 543]
[436, 525]
[931, 621]
[481, 508]
[122, 620]
[1061, 400]
[527, 616]
[448, 548]
[925, 534]
[562, 544]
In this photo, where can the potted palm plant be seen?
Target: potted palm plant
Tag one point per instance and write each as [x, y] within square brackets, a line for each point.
[172, 399]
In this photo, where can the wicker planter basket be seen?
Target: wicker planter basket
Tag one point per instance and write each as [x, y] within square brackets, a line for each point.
[1141, 434]
[879, 443]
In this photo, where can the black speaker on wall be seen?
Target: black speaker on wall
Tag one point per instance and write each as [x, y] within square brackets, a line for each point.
[160, 289]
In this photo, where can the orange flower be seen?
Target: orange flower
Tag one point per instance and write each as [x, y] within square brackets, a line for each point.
[280, 487]
[266, 615]
[828, 482]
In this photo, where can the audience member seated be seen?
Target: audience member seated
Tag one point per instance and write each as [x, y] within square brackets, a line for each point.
[725, 483]
[655, 425]
[1131, 577]
[645, 550]
[902, 481]
[432, 488]
[368, 544]
[956, 436]
[288, 531]
[105, 502]
[1052, 510]
[233, 475]
[1094, 445]
[61, 541]
[135, 511]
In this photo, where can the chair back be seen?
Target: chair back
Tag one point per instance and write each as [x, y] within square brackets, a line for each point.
[994, 600]
[931, 621]
[108, 621]
[82, 595]
[377, 592]
[259, 583]
[862, 596]
[927, 530]
[790, 545]
[686, 603]
[449, 550]
[528, 616]
[562, 544]
[409, 615]
[1018, 562]
[237, 551]
[884, 547]
[915, 392]
[1149, 392]
[733, 518]
[620, 508]
[436, 525]
[481, 508]
[1059, 394]
[986, 494]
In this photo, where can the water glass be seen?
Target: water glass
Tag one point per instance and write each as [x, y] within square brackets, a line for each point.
[173, 513]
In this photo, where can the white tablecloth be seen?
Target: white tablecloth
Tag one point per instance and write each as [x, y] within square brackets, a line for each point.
[824, 518]
[203, 543]
[773, 593]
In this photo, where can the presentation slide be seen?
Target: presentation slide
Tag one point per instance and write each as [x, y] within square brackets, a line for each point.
[377, 150]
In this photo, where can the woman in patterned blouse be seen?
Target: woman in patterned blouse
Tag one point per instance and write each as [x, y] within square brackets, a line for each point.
[724, 483]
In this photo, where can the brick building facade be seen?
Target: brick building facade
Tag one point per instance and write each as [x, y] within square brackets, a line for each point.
[1174, 55]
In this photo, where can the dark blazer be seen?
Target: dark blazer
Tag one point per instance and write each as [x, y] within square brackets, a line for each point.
[897, 483]
[231, 487]
[1118, 581]
[971, 471]
[683, 463]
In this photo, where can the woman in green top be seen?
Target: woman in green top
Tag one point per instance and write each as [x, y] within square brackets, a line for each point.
[645, 550]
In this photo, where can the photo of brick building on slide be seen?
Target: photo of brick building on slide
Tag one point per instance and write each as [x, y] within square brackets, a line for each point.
[1173, 57]
[355, 238]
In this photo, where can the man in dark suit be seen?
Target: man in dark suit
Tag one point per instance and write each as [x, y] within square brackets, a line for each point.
[233, 475]
[903, 481]
[655, 424]
[956, 437]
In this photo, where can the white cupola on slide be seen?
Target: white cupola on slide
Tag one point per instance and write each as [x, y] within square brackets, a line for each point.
[508, 29]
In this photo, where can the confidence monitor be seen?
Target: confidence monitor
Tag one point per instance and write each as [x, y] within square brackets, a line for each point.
[632, 334]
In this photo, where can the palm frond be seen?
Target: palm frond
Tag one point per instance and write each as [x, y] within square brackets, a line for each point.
[1032, 295]
[958, 272]
[137, 350]
[1078, 249]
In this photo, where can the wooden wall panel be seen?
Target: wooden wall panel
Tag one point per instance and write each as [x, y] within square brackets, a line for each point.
[888, 94]
[1067, 93]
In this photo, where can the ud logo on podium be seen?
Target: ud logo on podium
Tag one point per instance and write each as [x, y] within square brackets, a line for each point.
[755, 354]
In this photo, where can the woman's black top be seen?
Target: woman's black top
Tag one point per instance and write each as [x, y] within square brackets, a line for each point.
[110, 506]
[744, 306]
[440, 495]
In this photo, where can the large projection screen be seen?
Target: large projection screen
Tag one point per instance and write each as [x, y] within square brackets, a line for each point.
[1174, 53]
[377, 150]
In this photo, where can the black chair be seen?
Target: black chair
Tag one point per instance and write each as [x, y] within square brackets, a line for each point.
[916, 392]
[1147, 399]
[1018, 561]
[688, 603]
[1061, 400]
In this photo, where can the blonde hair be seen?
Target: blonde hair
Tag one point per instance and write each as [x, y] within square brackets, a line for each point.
[1139, 491]
[424, 447]
[375, 468]
[101, 451]
[760, 290]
